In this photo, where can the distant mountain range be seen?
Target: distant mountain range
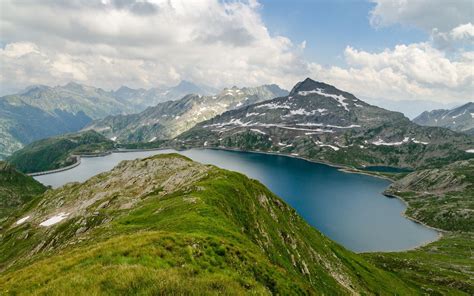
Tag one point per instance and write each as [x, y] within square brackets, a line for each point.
[321, 122]
[143, 98]
[168, 119]
[459, 119]
[409, 108]
[41, 111]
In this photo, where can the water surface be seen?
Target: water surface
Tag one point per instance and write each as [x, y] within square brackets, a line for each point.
[348, 208]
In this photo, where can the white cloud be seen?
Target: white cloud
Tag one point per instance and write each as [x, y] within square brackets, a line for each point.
[465, 31]
[407, 72]
[443, 15]
[143, 44]
[459, 37]
[440, 69]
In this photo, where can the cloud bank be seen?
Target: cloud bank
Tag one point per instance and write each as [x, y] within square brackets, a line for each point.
[142, 43]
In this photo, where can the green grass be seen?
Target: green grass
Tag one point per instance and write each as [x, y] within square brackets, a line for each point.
[221, 234]
[55, 152]
[16, 190]
[444, 267]
[442, 198]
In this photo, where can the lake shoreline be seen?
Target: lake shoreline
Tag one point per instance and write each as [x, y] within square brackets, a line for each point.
[342, 168]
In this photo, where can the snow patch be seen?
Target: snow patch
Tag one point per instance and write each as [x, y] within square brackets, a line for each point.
[284, 145]
[252, 114]
[22, 220]
[321, 144]
[327, 125]
[257, 131]
[419, 142]
[470, 150]
[456, 116]
[114, 138]
[152, 139]
[273, 106]
[340, 98]
[55, 219]
[381, 142]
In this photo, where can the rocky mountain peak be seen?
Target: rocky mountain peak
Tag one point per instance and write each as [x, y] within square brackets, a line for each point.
[73, 86]
[34, 89]
[309, 85]
[459, 119]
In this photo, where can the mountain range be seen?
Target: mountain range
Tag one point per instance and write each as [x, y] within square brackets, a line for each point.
[168, 225]
[320, 122]
[169, 119]
[41, 111]
[459, 119]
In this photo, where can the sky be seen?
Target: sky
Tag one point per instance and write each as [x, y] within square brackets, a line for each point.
[395, 50]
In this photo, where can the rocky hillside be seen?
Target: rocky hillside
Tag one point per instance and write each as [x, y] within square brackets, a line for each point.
[168, 225]
[16, 190]
[321, 122]
[57, 152]
[21, 123]
[169, 119]
[442, 198]
[459, 119]
[41, 111]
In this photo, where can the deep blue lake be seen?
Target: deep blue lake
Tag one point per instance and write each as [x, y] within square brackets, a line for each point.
[348, 208]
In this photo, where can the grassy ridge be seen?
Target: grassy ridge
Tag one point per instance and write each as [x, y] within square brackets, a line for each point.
[218, 232]
[16, 190]
[54, 153]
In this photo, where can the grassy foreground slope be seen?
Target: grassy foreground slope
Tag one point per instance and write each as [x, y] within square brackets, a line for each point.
[168, 225]
[442, 198]
[56, 152]
[16, 189]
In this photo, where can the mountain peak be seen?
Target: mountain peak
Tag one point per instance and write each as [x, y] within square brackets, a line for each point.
[123, 88]
[310, 84]
[34, 88]
[73, 86]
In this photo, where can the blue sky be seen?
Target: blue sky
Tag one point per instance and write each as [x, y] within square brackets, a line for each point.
[328, 27]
